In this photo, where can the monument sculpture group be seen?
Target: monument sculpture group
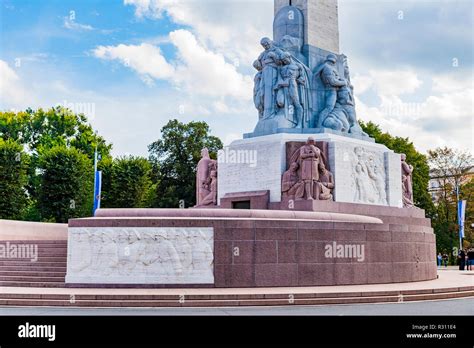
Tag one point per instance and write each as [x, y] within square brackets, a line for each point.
[307, 176]
[317, 179]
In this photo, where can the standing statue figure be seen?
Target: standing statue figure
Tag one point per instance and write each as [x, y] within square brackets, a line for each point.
[407, 190]
[257, 89]
[203, 174]
[269, 61]
[310, 157]
[291, 89]
[332, 82]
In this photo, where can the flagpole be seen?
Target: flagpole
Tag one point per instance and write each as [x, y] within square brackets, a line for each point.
[461, 209]
[97, 184]
[459, 216]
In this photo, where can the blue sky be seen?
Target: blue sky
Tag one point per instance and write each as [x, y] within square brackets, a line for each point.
[131, 65]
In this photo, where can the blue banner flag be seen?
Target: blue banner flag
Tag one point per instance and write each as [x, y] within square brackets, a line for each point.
[97, 190]
[97, 184]
[461, 217]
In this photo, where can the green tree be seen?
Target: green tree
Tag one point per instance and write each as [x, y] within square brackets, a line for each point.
[421, 172]
[41, 130]
[13, 178]
[66, 187]
[467, 193]
[47, 128]
[451, 169]
[126, 183]
[175, 157]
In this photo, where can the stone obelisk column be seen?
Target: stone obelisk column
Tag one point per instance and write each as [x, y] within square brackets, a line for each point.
[321, 22]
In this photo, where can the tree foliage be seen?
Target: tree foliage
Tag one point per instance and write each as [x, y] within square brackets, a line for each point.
[66, 187]
[451, 168]
[126, 182]
[40, 131]
[13, 179]
[40, 128]
[467, 193]
[175, 157]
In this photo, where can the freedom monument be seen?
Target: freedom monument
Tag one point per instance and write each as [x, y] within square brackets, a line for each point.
[320, 203]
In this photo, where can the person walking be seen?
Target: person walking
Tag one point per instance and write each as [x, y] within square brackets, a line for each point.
[461, 259]
[445, 260]
[470, 259]
[440, 260]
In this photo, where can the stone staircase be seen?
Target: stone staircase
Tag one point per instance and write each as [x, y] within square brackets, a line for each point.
[49, 270]
[72, 297]
[42, 283]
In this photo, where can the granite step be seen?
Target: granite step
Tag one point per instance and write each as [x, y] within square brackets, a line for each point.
[40, 258]
[13, 263]
[58, 243]
[33, 268]
[31, 273]
[35, 278]
[144, 301]
[34, 284]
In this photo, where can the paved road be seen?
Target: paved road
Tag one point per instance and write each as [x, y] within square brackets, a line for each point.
[463, 306]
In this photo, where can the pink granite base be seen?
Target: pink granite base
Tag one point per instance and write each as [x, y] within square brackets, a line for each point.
[287, 248]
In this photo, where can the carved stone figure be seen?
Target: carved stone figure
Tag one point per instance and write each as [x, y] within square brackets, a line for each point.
[129, 247]
[369, 177]
[307, 177]
[289, 93]
[332, 81]
[257, 89]
[211, 186]
[337, 120]
[361, 184]
[345, 98]
[407, 190]
[184, 247]
[375, 175]
[347, 75]
[167, 255]
[290, 184]
[141, 255]
[269, 61]
[325, 184]
[292, 56]
[310, 157]
[202, 253]
[204, 183]
[81, 255]
[292, 45]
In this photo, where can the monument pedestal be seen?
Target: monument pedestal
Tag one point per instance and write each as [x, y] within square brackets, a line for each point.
[364, 172]
[221, 248]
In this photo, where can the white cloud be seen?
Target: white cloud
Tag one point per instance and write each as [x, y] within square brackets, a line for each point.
[147, 60]
[451, 82]
[232, 28]
[395, 82]
[12, 90]
[442, 118]
[73, 25]
[206, 72]
[196, 69]
[362, 83]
